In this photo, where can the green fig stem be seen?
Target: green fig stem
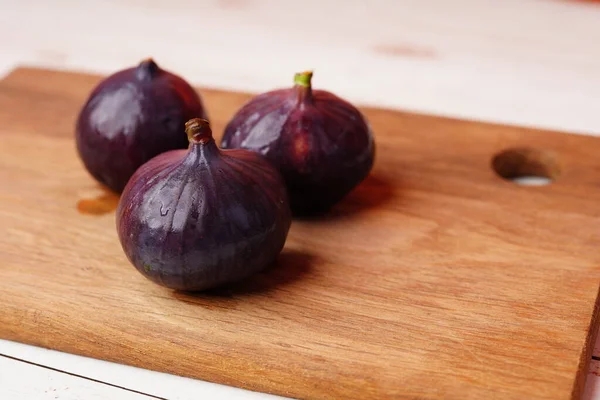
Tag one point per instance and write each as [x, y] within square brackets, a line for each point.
[147, 69]
[198, 131]
[303, 87]
[303, 79]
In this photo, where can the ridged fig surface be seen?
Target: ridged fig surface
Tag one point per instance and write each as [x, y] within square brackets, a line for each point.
[200, 218]
[321, 144]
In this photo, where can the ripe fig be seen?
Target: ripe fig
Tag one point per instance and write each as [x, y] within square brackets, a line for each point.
[200, 218]
[132, 116]
[321, 144]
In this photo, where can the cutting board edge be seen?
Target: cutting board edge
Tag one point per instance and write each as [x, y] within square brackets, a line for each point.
[590, 334]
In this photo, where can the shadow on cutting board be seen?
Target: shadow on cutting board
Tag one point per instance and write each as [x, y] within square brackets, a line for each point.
[290, 266]
[373, 192]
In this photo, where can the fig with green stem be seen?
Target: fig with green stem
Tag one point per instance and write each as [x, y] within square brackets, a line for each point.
[321, 144]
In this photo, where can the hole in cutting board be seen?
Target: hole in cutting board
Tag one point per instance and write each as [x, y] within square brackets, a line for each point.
[527, 166]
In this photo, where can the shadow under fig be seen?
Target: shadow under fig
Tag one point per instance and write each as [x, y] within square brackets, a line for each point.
[372, 192]
[290, 266]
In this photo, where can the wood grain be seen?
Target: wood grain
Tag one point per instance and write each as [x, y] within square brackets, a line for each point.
[436, 278]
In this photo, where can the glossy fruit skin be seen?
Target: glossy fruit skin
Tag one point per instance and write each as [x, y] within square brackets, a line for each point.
[132, 116]
[321, 144]
[200, 218]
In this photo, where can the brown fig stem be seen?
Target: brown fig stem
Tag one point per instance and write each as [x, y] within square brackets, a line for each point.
[198, 131]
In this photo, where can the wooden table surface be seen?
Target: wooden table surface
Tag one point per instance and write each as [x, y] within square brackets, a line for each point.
[523, 62]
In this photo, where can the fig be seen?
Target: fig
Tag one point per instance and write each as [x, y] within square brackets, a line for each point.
[322, 145]
[131, 117]
[203, 217]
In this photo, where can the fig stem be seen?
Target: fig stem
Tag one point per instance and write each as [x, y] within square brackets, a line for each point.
[147, 68]
[303, 79]
[198, 131]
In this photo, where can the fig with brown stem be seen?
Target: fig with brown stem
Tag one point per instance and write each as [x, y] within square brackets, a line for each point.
[200, 218]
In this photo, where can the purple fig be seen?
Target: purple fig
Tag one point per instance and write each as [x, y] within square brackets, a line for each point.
[321, 144]
[200, 218]
[131, 117]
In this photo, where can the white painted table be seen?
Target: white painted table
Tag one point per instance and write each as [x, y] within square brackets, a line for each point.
[524, 62]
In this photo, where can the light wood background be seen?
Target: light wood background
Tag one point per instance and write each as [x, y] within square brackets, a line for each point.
[520, 62]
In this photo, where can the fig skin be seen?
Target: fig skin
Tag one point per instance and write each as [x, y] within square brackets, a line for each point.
[200, 218]
[321, 144]
[131, 117]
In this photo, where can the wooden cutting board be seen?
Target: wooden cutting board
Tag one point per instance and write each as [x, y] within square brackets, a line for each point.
[436, 278]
